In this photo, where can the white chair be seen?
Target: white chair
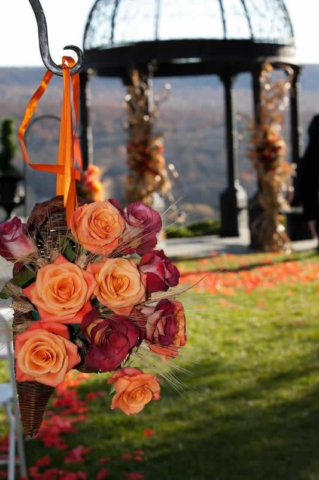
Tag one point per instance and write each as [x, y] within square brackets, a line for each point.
[8, 399]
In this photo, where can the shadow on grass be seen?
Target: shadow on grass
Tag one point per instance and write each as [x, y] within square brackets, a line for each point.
[238, 436]
[221, 433]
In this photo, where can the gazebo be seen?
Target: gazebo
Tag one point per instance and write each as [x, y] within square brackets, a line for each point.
[166, 38]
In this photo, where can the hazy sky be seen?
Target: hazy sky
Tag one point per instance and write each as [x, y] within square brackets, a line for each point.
[66, 21]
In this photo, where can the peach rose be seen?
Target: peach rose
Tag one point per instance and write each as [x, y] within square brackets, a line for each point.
[134, 389]
[62, 292]
[44, 354]
[121, 285]
[97, 226]
[180, 338]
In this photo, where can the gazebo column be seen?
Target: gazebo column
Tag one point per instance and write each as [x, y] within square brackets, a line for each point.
[296, 226]
[233, 201]
[256, 93]
[296, 128]
[86, 136]
[254, 207]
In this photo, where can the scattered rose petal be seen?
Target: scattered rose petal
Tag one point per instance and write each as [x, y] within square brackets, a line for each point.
[126, 456]
[68, 476]
[43, 462]
[134, 476]
[33, 471]
[77, 454]
[139, 452]
[104, 473]
[94, 395]
[82, 475]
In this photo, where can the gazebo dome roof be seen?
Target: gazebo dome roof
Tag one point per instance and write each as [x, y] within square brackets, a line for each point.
[186, 37]
[113, 23]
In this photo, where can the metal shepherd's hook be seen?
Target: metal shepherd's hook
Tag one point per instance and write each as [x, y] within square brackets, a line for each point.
[44, 43]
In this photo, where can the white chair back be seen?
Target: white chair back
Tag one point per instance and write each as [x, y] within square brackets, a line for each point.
[5, 340]
[15, 432]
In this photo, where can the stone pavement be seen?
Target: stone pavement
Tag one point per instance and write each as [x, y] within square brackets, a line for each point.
[201, 247]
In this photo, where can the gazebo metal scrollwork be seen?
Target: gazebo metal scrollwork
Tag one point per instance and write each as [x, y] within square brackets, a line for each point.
[193, 37]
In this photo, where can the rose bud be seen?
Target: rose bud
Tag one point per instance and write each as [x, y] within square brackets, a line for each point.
[165, 327]
[160, 271]
[15, 243]
[134, 389]
[142, 226]
[111, 340]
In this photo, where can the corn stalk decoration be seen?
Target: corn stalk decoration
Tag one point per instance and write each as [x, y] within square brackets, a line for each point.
[268, 153]
[148, 172]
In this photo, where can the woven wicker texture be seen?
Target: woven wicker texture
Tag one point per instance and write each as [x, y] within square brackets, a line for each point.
[49, 218]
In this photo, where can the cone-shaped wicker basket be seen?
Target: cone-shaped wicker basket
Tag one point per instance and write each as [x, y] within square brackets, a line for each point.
[48, 218]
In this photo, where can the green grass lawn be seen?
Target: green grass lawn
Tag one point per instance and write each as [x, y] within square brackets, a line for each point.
[251, 404]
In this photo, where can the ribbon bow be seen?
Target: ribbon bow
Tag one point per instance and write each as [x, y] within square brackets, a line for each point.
[67, 174]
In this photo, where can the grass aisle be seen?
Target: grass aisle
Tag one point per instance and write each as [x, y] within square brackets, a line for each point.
[252, 409]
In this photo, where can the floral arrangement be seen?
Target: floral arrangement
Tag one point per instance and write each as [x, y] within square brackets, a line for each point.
[89, 290]
[91, 298]
[91, 187]
[148, 172]
[268, 154]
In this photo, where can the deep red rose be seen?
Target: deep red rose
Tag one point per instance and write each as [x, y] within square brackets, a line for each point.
[15, 243]
[160, 271]
[164, 327]
[160, 325]
[116, 204]
[142, 226]
[111, 339]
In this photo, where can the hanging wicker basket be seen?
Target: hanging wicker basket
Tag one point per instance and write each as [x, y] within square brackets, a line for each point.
[48, 218]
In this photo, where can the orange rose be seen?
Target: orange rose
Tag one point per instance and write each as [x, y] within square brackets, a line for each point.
[134, 389]
[62, 292]
[121, 285]
[180, 338]
[44, 354]
[97, 226]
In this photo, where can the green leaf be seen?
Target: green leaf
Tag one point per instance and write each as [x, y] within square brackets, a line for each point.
[25, 277]
[68, 253]
[35, 315]
[3, 295]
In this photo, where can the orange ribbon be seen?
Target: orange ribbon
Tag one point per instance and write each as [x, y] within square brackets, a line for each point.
[65, 170]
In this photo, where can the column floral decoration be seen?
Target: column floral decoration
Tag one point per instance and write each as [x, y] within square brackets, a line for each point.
[148, 171]
[268, 153]
[91, 188]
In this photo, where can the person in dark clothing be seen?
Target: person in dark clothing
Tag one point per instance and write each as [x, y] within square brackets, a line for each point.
[308, 173]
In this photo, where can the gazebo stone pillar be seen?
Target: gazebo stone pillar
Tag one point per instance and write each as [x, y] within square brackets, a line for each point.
[86, 136]
[233, 201]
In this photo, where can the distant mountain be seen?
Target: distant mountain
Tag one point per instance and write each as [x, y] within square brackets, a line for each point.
[192, 121]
